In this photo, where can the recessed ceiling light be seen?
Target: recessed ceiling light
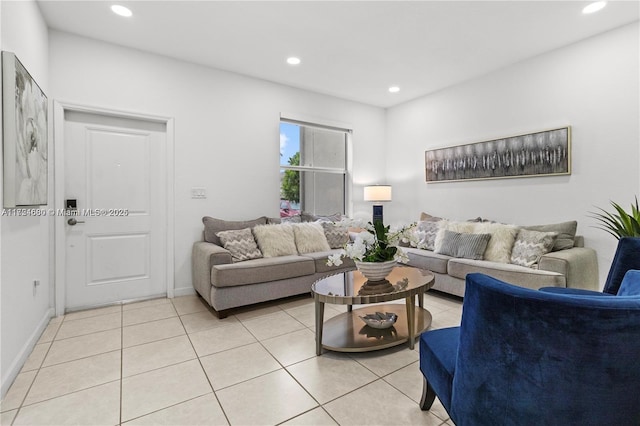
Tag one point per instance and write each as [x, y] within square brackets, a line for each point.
[121, 10]
[594, 7]
[293, 60]
[394, 89]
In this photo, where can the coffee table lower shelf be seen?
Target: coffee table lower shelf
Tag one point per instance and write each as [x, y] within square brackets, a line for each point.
[348, 333]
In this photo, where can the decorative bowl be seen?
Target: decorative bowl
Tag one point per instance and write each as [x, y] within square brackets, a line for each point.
[380, 320]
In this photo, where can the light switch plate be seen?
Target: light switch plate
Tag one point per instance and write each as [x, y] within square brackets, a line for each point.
[198, 192]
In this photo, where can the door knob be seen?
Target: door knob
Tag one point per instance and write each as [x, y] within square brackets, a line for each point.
[74, 222]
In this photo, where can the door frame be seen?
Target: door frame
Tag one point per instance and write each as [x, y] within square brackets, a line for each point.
[59, 109]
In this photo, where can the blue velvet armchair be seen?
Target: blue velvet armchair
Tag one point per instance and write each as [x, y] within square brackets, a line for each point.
[527, 357]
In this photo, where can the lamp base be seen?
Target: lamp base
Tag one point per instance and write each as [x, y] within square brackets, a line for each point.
[377, 214]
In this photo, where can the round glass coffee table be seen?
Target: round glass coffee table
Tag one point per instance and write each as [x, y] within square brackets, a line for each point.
[347, 332]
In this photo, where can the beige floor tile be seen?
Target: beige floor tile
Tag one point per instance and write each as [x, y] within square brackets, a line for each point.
[387, 361]
[189, 304]
[57, 320]
[18, 390]
[7, 417]
[250, 312]
[151, 331]
[83, 346]
[292, 347]
[296, 302]
[150, 356]
[90, 325]
[238, 365]
[445, 319]
[379, 403]
[148, 392]
[268, 399]
[73, 376]
[315, 417]
[98, 405]
[306, 314]
[146, 304]
[220, 339]
[329, 376]
[36, 357]
[148, 314]
[202, 411]
[115, 309]
[204, 320]
[50, 332]
[272, 325]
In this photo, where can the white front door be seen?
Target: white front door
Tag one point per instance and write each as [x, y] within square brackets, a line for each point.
[114, 169]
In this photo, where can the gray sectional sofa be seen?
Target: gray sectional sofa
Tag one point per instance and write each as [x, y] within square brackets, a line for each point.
[569, 264]
[226, 284]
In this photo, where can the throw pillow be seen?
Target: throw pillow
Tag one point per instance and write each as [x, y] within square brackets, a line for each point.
[336, 234]
[427, 217]
[530, 246]
[566, 233]
[309, 217]
[240, 244]
[427, 231]
[468, 246]
[501, 242]
[309, 237]
[446, 225]
[275, 240]
[212, 226]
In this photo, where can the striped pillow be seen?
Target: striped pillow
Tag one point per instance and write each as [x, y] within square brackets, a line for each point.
[468, 246]
[240, 244]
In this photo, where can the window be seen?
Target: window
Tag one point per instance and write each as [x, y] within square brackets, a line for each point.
[313, 169]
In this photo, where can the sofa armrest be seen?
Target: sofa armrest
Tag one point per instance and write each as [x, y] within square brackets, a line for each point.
[203, 256]
[578, 264]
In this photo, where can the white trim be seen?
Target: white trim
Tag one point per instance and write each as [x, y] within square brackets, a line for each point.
[184, 291]
[25, 351]
[60, 256]
[311, 121]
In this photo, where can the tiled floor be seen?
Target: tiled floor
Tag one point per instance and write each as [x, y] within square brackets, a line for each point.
[172, 362]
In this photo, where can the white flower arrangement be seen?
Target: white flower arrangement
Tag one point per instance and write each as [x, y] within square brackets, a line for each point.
[377, 243]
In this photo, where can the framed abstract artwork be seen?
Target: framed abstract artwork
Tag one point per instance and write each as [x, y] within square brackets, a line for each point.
[544, 153]
[24, 136]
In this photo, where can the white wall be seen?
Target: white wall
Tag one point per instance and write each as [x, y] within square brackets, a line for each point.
[226, 128]
[591, 85]
[25, 241]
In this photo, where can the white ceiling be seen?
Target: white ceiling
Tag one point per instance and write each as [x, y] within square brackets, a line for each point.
[350, 49]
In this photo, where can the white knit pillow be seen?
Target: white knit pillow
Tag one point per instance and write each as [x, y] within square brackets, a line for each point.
[310, 238]
[501, 242]
[275, 240]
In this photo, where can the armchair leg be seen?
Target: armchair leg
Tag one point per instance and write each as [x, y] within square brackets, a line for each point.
[428, 395]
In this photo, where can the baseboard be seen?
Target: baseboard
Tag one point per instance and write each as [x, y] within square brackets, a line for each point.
[27, 348]
[183, 291]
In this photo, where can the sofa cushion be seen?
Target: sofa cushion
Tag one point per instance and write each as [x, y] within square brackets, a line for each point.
[212, 226]
[309, 217]
[530, 245]
[240, 244]
[501, 243]
[426, 232]
[337, 235]
[320, 260]
[469, 246]
[566, 233]
[427, 217]
[309, 237]
[261, 270]
[520, 275]
[426, 259]
[275, 240]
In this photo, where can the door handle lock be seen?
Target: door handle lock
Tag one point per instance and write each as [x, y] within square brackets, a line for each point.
[74, 222]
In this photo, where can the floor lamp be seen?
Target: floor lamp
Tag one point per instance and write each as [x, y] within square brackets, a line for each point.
[377, 194]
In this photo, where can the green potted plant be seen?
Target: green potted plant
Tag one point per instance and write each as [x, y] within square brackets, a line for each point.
[375, 250]
[620, 223]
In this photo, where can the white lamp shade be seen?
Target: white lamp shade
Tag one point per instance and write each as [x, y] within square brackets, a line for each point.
[377, 193]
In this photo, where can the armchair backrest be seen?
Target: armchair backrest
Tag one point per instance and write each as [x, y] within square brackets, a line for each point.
[530, 357]
[627, 257]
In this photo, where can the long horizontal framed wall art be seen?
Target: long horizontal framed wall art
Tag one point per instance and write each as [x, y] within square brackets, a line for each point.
[24, 126]
[544, 153]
